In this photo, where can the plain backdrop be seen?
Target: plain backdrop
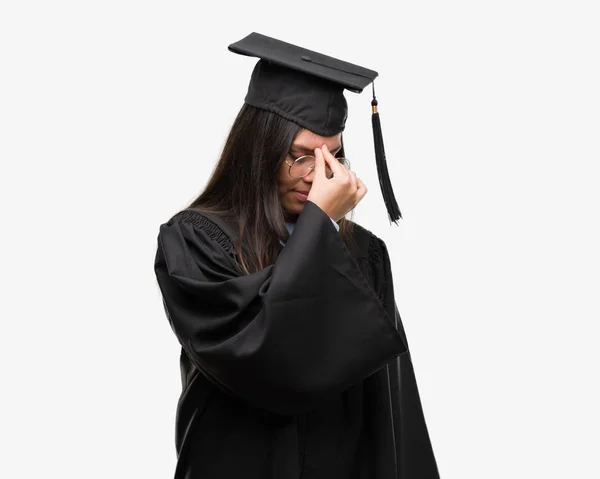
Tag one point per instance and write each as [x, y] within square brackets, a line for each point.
[112, 116]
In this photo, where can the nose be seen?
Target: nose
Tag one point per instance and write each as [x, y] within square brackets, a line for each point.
[310, 177]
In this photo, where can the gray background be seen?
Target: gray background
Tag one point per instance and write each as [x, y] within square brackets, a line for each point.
[112, 115]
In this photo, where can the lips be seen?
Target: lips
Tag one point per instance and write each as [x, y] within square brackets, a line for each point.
[301, 195]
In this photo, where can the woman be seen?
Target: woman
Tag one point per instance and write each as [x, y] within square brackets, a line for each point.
[294, 360]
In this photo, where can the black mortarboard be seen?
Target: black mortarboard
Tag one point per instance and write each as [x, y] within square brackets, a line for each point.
[307, 88]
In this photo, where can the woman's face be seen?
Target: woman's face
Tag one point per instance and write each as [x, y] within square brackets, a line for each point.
[304, 144]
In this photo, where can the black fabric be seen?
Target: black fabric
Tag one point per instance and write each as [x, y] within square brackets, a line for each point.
[300, 370]
[301, 85]
[346, 75]
[311, 102]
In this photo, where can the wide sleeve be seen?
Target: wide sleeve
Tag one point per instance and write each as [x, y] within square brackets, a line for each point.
[283, 338]
[413, 442]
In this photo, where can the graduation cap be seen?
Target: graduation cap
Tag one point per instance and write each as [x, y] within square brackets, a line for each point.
[307, 88]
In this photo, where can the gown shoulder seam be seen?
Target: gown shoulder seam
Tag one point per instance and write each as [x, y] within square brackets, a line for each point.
[209, 227]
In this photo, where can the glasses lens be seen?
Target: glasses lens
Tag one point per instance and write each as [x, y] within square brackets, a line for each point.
[302, 166]
[305, 164]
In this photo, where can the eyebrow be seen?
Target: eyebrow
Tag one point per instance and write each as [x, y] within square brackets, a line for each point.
[311, 150]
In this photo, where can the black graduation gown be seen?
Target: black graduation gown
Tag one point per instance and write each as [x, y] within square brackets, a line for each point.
[298, 371]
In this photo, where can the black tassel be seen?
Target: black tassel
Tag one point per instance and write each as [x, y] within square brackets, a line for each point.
[382, 170]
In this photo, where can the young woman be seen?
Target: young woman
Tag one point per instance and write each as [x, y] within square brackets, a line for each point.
[294, 360]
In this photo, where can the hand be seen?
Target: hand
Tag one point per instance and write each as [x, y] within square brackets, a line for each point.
[338, 195]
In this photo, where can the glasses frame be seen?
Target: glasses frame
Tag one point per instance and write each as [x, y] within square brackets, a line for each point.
[346, 164]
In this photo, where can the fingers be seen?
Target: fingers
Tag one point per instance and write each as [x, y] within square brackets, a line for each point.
[333, 162]
[319, 163]
[323, 158]
[362, 189]
[353, 180]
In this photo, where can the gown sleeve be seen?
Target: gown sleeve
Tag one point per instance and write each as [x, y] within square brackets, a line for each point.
[283, 338]
[413, 443]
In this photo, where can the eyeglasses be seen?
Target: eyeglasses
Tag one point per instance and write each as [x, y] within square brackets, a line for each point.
[303, 165]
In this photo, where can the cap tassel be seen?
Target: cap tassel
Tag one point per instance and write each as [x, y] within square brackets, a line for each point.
[382, 170]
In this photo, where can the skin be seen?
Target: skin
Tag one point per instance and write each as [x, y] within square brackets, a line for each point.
[305, 143]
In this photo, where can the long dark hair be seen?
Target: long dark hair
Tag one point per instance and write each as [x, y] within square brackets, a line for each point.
[243, 185]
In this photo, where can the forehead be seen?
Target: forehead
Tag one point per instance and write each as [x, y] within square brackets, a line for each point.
[309, 140]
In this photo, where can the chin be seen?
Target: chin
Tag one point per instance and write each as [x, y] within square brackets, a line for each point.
[294, 209]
